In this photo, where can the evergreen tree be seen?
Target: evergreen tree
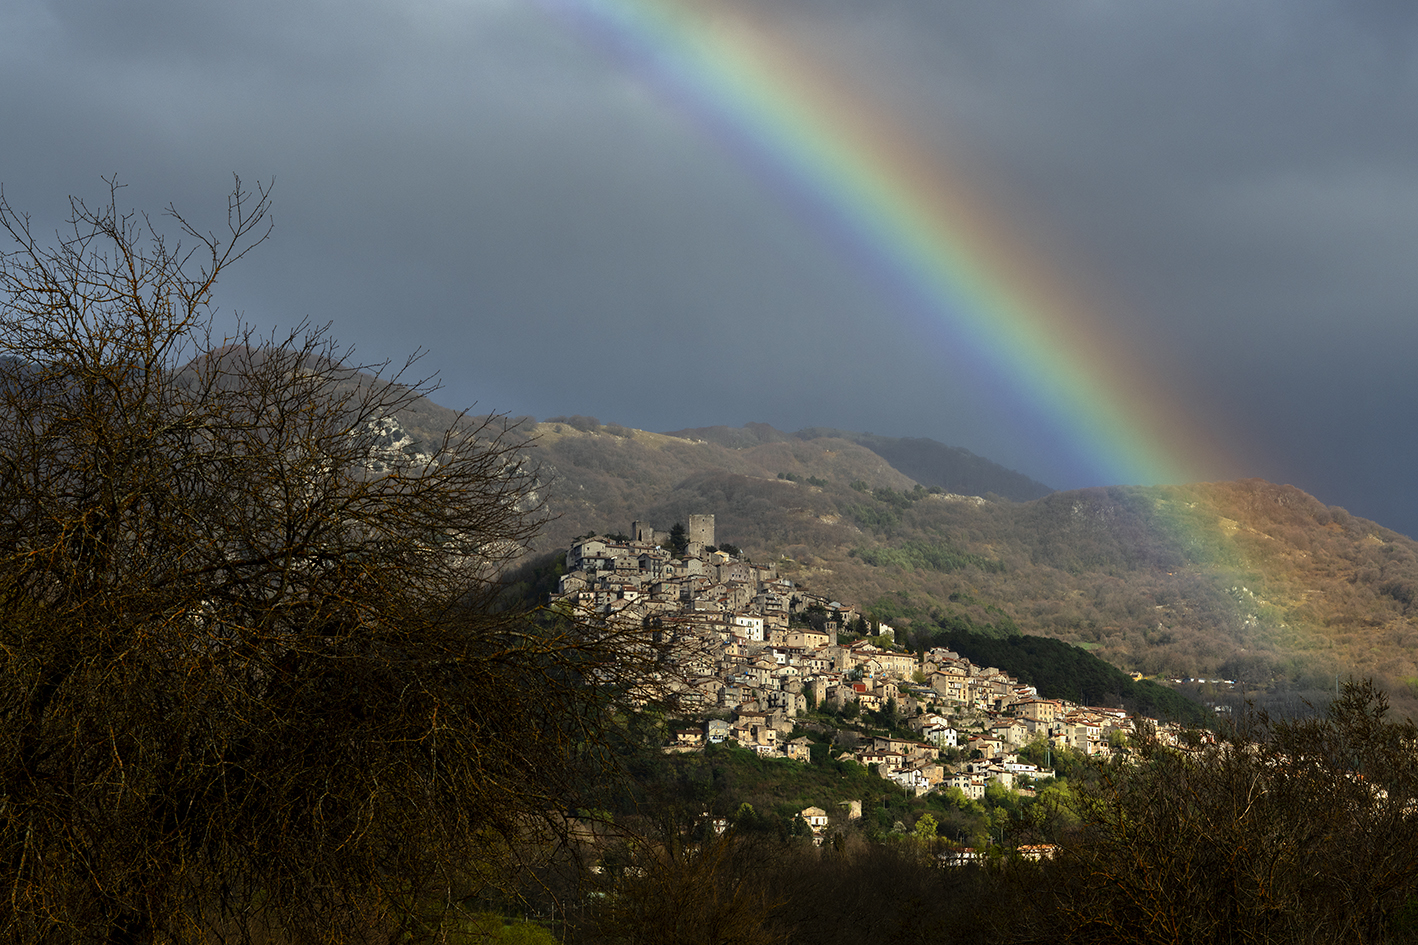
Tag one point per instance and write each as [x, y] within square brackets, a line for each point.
[679, 540]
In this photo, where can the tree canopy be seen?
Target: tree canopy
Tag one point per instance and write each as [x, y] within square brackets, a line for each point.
[250, 673]
[1281, 831]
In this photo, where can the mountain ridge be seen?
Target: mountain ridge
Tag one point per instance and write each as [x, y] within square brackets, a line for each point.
[1248, 581]
[922, 459]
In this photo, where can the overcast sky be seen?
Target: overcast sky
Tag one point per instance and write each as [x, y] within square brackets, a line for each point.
[475, 179]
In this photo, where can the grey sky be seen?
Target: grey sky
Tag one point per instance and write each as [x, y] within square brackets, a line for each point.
[473, 179]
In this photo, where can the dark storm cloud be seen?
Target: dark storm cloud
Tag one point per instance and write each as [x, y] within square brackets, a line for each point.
[1243, 173]
[472, 179]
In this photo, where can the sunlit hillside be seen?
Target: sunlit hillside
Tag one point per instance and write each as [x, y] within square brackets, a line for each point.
[1248, 581]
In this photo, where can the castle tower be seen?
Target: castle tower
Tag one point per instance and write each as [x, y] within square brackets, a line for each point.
[701, 530]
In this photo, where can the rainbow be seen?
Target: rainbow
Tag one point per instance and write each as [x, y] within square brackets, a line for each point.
[911, 220]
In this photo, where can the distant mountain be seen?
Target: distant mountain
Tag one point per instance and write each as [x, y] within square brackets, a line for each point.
[951, 468]
[601, 477]
[924, 460]
[1248, 581]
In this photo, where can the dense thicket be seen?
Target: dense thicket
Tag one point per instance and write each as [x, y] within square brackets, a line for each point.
[250, 676]
[1286, 831]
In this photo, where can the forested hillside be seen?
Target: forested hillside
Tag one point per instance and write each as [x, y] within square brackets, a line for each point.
[1247, 581]
[949, 467]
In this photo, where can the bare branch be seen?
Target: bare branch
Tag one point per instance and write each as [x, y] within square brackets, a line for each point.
[249, 670]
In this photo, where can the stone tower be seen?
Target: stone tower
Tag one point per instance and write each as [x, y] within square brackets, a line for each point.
[700, 533]
[701, 529]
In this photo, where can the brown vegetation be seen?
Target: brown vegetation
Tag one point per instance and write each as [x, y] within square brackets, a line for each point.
[1249, 581]
[1284, 832]
[250, 680]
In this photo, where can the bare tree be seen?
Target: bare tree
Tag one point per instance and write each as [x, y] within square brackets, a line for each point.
[250, 674]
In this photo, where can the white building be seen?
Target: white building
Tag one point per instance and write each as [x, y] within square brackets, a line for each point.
[749, 627]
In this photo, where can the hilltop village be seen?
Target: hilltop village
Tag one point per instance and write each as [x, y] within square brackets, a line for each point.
[766, 651]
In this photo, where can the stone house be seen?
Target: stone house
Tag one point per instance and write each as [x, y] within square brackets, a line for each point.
[799, 749]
